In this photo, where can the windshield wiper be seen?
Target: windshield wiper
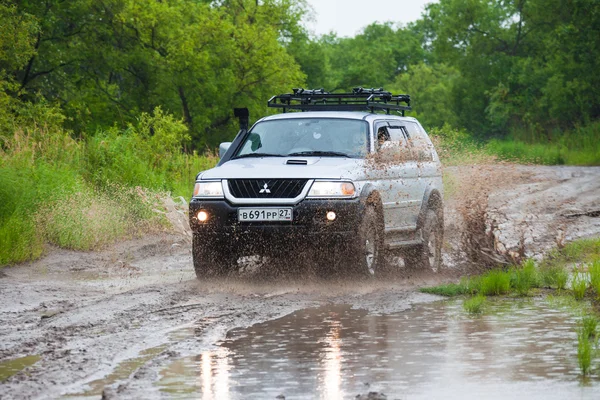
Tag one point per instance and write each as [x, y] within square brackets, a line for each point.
[320, 153]
[251, 155]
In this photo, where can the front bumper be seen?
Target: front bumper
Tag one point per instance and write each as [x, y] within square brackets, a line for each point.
[309, 224]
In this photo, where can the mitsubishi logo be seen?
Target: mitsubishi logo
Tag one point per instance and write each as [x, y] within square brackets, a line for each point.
[265, 189]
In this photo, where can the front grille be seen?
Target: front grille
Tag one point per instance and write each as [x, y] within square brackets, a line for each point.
[274, 189]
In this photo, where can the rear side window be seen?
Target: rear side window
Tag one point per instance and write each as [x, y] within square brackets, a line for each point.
[420, 143]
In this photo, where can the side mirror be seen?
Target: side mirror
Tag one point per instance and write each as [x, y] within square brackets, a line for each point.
[223, 147]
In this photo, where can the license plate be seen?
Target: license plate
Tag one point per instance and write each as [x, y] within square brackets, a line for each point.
[264, 214]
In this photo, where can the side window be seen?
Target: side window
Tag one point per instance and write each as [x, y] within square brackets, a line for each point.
[382, 134]
[419, 141]
[392, 143]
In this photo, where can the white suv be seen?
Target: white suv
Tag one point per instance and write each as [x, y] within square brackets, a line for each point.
[337, 179]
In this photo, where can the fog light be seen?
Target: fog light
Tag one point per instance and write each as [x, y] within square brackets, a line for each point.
[331, 216]
[202, 216]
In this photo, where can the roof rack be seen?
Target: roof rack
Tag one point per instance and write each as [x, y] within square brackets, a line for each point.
[360, 99]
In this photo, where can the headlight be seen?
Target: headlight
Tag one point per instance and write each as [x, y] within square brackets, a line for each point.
[208, 189]
[332, 189]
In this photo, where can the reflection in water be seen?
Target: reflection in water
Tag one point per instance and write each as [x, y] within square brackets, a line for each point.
[332, 362]
[211, 380]
[523, 349]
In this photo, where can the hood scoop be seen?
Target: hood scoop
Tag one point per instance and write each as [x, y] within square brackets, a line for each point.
[297, 162]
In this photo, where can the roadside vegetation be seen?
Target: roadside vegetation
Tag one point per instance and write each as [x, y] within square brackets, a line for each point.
[572, 272]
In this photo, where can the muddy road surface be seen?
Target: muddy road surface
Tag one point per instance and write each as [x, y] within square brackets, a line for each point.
[132, 321]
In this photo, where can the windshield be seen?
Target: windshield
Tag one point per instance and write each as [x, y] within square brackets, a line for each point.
[330, 137]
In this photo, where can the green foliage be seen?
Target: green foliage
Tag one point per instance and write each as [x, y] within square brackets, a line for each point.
[84, 194]
[146, 154]
[554, 276]
[584, 352]
[589, 324]
[475, 304]
[430, 86]
[594, 271]
[579, 284]
[525, 278]
[579, 146]
[107, 63]
[447, 290]
[495, 283]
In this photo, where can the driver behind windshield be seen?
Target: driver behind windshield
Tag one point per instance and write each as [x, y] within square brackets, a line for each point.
[307, 136]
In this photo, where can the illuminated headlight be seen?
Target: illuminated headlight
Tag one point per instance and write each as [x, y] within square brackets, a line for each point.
[208, 189]
[332, 189]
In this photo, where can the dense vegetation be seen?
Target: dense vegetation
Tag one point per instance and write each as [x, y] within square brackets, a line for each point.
[108, 100]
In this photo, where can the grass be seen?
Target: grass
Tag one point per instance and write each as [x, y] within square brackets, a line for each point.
[579, 284]
[551, 273]
[447, 290]
[584, 352]
[589, 325]
[495, 283]
[525, 278]
[85, 193]
[594, 271]
[579, 146]
[554, 276]
[475, 304]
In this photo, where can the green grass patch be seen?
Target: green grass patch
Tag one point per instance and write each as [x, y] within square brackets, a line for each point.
[447, 290]
[584, 352]
[475, 304]
[525, 278]
[554, 276]
[580, 146]
[594, 271]
[579, 284]
[495, 283]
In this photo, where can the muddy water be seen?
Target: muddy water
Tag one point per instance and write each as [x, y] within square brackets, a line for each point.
[518, 349]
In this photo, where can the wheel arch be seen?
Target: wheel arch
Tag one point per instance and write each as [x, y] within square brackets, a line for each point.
[432, 200]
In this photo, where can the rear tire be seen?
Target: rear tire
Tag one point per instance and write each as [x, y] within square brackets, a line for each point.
[210, 260]
[429, 254]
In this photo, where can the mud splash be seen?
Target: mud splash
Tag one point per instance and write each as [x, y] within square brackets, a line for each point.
[521, 348]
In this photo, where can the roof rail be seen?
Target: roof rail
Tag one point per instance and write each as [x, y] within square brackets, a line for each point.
[360, 99]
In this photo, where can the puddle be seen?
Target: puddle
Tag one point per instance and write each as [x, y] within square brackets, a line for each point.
[520, 349]
[11, 367]
[122, 371]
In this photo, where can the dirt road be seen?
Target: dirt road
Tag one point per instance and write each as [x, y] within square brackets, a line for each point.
[110, 321]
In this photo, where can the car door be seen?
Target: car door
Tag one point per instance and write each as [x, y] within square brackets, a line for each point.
[395, 174]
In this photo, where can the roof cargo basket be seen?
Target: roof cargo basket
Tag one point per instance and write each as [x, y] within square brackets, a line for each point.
[360, 99]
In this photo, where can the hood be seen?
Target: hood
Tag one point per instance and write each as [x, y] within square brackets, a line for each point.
[277, 167]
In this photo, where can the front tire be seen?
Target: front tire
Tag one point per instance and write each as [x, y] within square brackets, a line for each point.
[429, 254]
[210, 260]
[369, 250]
